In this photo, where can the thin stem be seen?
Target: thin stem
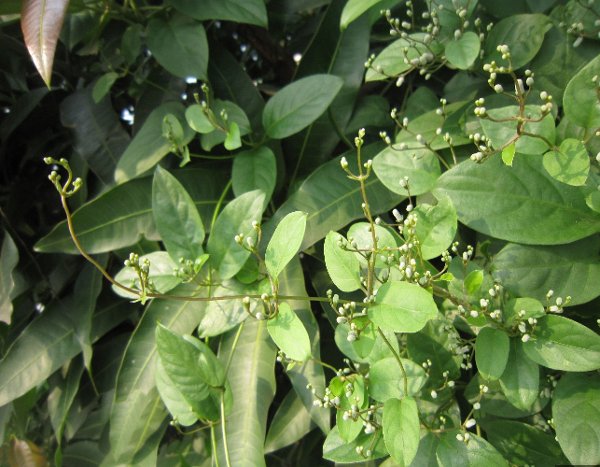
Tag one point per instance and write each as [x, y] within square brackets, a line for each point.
[398, 359]
[219, 203]
[233, 346]
[213, 441]
[223, 427]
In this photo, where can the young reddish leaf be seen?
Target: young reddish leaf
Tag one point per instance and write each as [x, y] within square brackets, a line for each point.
[41, 22]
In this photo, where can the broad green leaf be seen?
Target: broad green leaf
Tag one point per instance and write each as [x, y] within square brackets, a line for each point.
[285, 242]
[477, 452]
[576, 415]
[463, 52]
[360, 233]
[563, 344]
[569, 270]
[50, 341]
[131, 43]
[343, 266]
[41, 22]
[521, 203]
[420, 165]
[521, 309]
[473, 281]
[254, 170]
[570, 164]
[197, 119]
[103, 85]
[9, 257]
[252, 379]
[336, 449]
[149, 146]
[137, 411]
[492, 348]
[61, 397]
[194, 371]
[353, 9]
[98, 135]
[523, 34]
[436, 227]
[120, 216]
[402, 307]
[299, 104]
[239, 11]
[425, 456]
[337, 206]
[401, 429]
[161, 274]
[501, 133]
[508, 154]
[350, 428]
[581, 96]
[179, 408]
[521, 443]
[179, 45]
[222, 315]
[288, 332]
[290, 423]
[291, 283]
[521, 378]
[176, 217]
[233, 139]
[390, 61]
[226, 255]
[386, 380]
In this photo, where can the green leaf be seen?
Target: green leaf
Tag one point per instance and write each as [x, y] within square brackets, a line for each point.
[161, 274]
[563, 344]
[290, 423]
[237, 217]
[176, 403]
[343, 266]
[576, 415]
[401, 429]
[581, 96]
[103, 85]
[288, 332]
[521, 444]
[425, 456]
[420, 165]
[492, 348]
[194, 370]
[240, 11]
[501, 133]
[137, 411]
[524, 35]
[463, 52]
[197, 119]
[299, 104]
[254, 170]
[120, 216]
[473, 281]
[521, 309]
[349, 428]
[353, 9]
[521, 378]
[149, 146]
[569, 270]
[9, 257]
[436, 227]
[337, 206]
[228, 129]
[477, 452]
[521, 204]
[336, 449]
[386, 380]
[390, 61]
[570, 164]
[360, 234]
[285, 242]
[61, 397]
[176, 217]
[233, 139]
[252, 379]
[179, 45]
[402, 307]
[508, 154]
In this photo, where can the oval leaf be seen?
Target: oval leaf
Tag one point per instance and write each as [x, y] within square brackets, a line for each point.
[463, 52]
[401, 429]
[521, 379]
[570, 164]
[402, 307]
[581, 96]
[288, 332]
[285, 242]
[299, 104]
[491, 352]
[436, 227]
[342, 265]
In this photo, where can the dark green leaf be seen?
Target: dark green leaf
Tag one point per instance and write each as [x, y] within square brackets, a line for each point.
[353, 9]
[491, 352]
[254, 170]
[240, 11]
[401, 429]
[290, 423]
[179, 45]
[563, 344]
[103, 85]
[581, 96]
[521, 378]
[288, 332]
[463, 52]
[570, 164]
[576, 415]
[285, 242]
[520, 203]
[176, 217]
[9, 257]
[299, 104]
[474, 453]
[336, 449]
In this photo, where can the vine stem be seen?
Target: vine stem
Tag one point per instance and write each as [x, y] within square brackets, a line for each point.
[398, 359]
[223, 426]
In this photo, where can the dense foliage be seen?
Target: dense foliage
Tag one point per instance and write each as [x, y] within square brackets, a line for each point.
[295, 232]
